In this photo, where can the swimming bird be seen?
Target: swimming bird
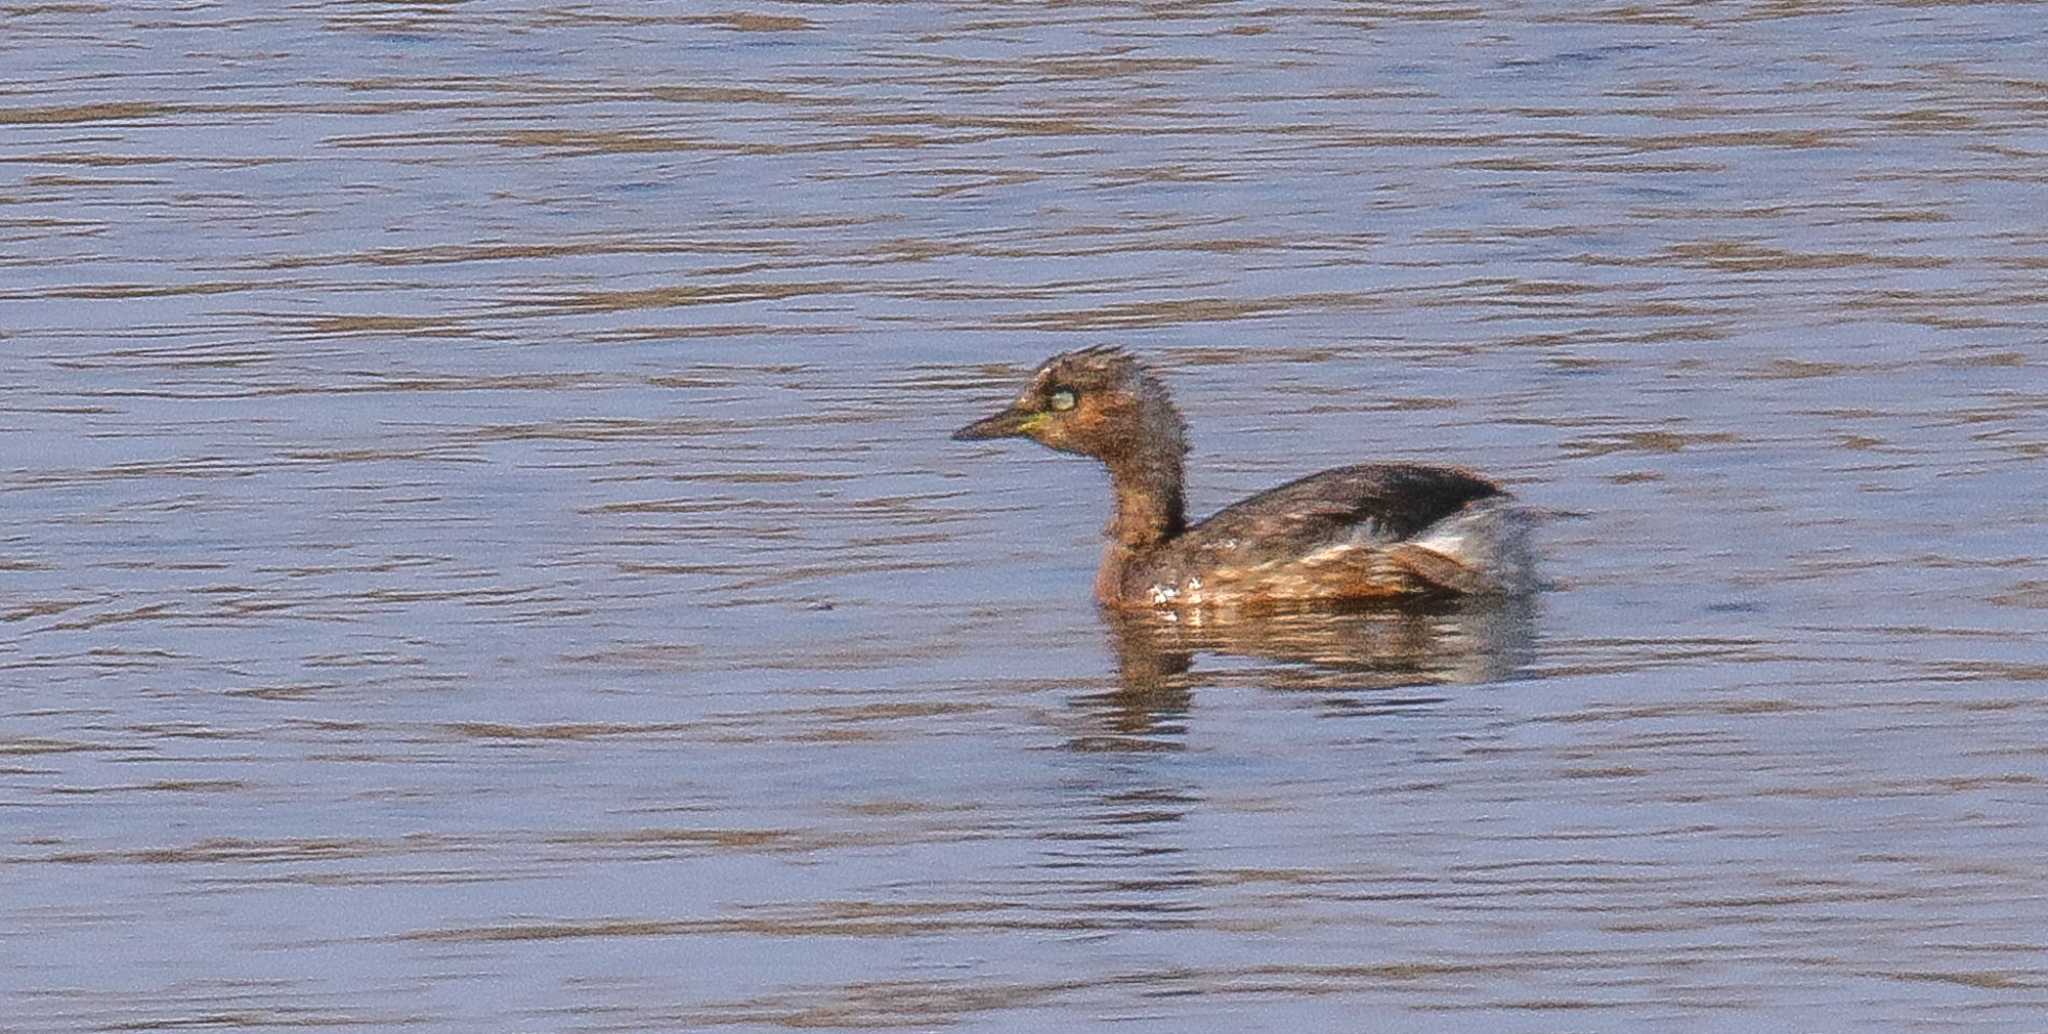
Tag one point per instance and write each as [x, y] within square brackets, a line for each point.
[1372, 532]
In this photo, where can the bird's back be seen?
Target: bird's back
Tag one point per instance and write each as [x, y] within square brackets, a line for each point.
[1372, 531]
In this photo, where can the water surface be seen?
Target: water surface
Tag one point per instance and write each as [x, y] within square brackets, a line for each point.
[484, 552]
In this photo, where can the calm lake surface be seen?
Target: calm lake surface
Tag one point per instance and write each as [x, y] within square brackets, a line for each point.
[482, 550]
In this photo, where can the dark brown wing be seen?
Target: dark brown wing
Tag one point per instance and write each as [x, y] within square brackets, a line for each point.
[1395, 500]
[1379, 502]
[1342, 534]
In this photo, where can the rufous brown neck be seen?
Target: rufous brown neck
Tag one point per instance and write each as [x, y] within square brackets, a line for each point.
[1149, 505]
[1149, 512]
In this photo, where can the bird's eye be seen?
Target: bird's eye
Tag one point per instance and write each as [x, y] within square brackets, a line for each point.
[1063, 399]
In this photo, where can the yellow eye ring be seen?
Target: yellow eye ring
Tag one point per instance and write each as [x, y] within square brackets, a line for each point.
[1063, 400]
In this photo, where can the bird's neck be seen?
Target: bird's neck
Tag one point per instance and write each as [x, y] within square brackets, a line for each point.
[1149, 505]
[1144, 462]
[1149, 513]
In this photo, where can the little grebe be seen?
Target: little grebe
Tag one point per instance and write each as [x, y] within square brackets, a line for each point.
[1370, 532]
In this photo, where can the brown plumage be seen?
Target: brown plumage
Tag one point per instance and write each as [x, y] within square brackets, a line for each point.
[1367, 532]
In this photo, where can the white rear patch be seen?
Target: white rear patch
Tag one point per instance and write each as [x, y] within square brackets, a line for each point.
[1491, 539]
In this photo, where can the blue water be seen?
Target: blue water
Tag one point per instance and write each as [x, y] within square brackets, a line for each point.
[485, 552]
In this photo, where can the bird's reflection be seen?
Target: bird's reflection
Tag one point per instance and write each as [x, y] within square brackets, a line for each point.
[1375, 651]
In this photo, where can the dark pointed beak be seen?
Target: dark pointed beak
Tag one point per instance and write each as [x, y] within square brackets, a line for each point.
[1010, 423]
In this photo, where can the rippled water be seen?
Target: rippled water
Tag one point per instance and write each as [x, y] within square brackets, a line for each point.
[484, 553]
